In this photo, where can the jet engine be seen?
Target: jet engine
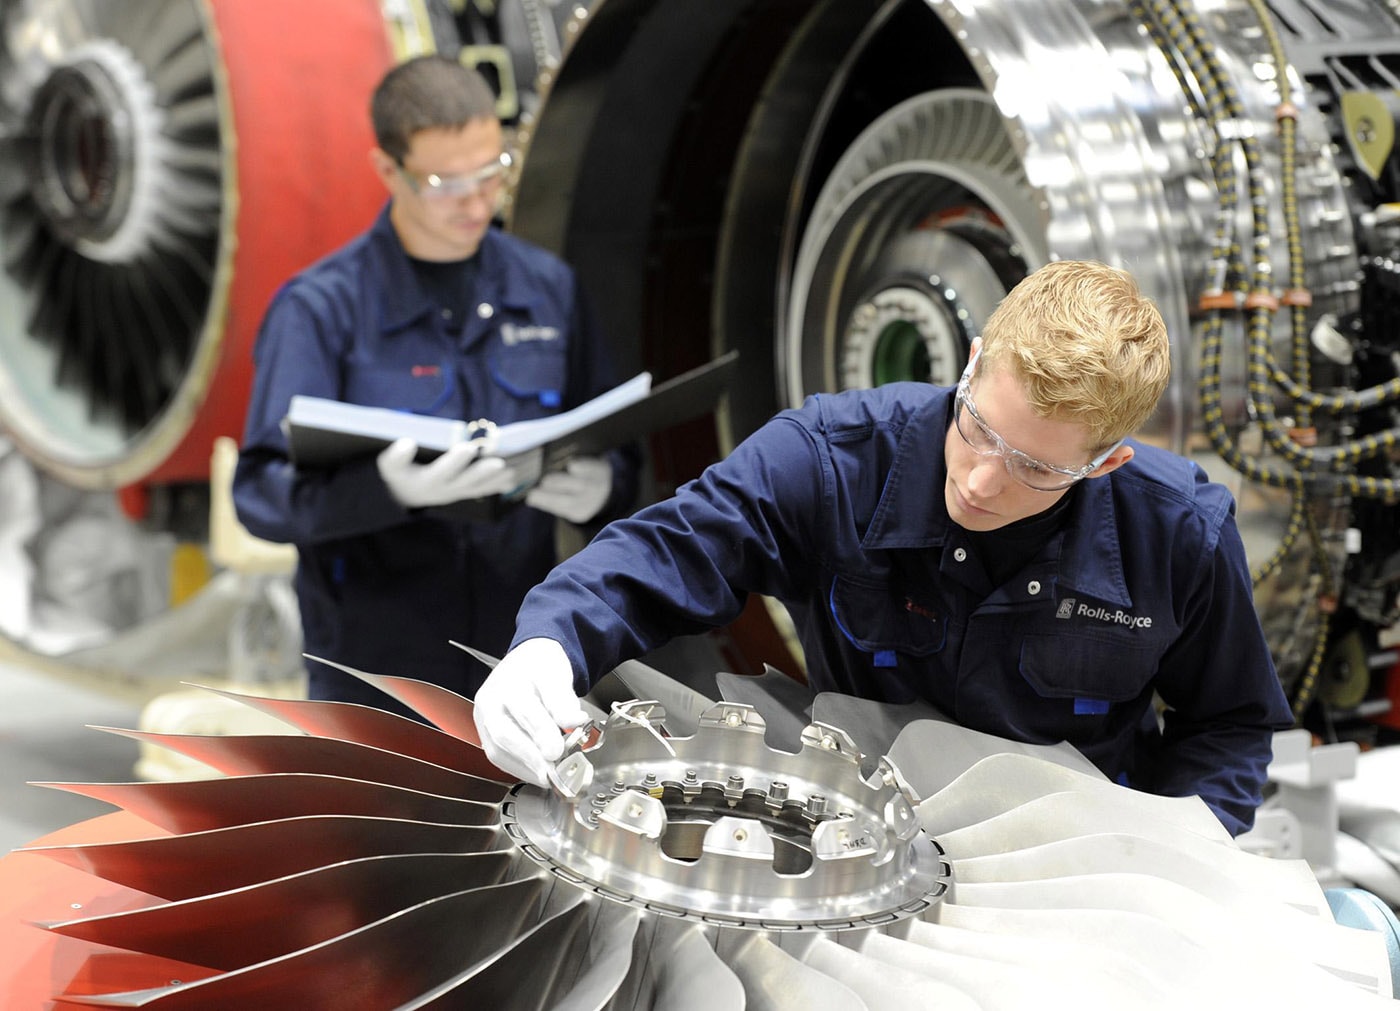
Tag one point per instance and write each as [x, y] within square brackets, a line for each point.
[844, 190]
[840, 189]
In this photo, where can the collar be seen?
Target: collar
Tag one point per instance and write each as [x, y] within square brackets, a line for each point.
[912, 512]
[403, 299]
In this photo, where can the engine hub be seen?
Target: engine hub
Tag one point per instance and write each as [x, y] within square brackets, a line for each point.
[94, 122]
[720, 827]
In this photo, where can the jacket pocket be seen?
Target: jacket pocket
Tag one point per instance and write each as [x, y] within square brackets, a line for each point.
[531, 370]
[1090, 670]
[878, 618]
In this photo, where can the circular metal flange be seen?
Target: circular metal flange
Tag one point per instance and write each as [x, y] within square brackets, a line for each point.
[931, 199]
[722, 828]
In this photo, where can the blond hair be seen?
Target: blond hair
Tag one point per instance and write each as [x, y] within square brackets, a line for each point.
[1087, 345]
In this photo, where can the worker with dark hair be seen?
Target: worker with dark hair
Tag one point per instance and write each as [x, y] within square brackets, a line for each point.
[436, 311]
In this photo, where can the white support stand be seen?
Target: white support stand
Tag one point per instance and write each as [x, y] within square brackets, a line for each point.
[1301, 819]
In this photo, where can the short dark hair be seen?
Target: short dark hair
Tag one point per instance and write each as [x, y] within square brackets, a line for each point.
[425, 93]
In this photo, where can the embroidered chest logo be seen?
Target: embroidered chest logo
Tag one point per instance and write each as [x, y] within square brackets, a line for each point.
[1070, 607]
[512, 334]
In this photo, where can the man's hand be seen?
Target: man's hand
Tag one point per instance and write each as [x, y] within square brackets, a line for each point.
[577, 493]
[524, 705]
[453, 477]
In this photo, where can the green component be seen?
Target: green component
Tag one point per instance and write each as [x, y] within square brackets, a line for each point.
[900, 355]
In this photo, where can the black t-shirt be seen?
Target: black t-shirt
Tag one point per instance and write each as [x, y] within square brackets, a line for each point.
[449, 285]
[1005, 550]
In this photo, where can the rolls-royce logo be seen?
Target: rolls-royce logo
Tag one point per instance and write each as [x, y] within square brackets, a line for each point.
[1070, 607]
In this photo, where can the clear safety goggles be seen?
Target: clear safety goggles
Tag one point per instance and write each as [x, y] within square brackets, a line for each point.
[984, 441]
[486, 180]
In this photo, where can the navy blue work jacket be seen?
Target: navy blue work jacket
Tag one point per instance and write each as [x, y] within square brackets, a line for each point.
[382, 588]
[837, 510]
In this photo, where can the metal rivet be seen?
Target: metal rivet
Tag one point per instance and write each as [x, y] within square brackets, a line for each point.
[959, 554]
[1033, 587]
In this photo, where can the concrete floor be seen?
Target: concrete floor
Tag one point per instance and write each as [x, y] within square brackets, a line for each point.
[44, 737]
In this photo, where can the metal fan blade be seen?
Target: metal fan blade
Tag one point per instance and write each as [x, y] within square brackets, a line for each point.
[1000, 783]
[1143, 974]
[885, 983]
[1167, 927]
[445, 709]
[238, 928]
[21, 238]
[1066, 816]
[605, 967]
[181, 72]
[238, 755]
[527, 975]
[165, 35]
[1229, 875]
[386, 964]
[127, 319]
[678, 955]
[193, 117]
[201, 804]
[201, 863]
[1274, 924]
[773, 980]
[931, 754]
[375, 728]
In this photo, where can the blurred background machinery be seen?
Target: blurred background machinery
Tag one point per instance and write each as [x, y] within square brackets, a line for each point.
[839, 189]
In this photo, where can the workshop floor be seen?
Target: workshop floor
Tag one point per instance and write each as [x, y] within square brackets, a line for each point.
[45, 737]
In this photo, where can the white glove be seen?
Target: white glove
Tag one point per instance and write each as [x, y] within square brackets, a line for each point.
[576, 494]
[522, 707]
[454, 476]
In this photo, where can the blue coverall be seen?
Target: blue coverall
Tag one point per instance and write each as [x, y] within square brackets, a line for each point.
[382, 588]
[837, 510]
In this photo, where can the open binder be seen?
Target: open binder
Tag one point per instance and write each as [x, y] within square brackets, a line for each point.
[324, 433]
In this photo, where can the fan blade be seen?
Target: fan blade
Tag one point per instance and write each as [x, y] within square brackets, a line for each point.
[239, 928]
[202, 863]
[238, 755]
[201, 804]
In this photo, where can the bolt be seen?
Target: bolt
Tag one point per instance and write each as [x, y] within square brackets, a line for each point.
[691, 775]
[736, 782]
[618, 786]
[816, 804]
[650, 779]
[778, 791]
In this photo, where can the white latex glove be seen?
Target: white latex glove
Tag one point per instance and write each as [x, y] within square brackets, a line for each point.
[523, 706]
[454, 476]
[577, 493]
